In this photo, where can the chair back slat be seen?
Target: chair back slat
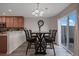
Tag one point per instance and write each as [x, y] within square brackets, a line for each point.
[30, 35]
[54, 34]
[26, 34]
[50, 35]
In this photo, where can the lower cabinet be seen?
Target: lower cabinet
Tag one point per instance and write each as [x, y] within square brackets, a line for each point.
[3, 44]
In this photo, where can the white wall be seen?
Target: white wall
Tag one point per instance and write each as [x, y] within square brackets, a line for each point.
[14, 40]
[53, 24]
[32, 23]
[49, 23]
[59, 33]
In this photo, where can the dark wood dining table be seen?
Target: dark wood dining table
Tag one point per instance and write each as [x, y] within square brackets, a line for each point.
[40, 44]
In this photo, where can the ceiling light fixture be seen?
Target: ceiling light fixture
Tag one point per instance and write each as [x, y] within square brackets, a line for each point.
[37, 12]
[10, 10]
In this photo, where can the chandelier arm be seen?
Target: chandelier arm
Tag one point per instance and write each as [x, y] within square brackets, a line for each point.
[37, 6]
[37, 12]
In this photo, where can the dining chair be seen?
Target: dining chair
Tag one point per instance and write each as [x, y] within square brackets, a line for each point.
[47, 36]
[50, 39]
[29, 39]
[33, 37]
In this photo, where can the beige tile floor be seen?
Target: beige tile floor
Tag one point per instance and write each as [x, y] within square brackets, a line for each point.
[21, 51]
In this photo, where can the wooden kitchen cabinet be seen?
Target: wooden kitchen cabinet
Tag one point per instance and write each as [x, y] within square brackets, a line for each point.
[15, 22]
[9, 22]
[3, 44]
[2, 19]
[12, 21]
[20, 22]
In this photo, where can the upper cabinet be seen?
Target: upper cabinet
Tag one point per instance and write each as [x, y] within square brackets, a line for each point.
[2, 19]
[21, 22]
[12, 21]
[15, 22]
[9, 21]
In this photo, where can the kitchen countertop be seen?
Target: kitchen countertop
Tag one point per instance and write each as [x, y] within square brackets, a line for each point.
[3, 34]
[10, 30]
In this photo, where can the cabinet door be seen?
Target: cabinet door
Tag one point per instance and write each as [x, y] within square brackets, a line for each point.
[0, 19]
[3, 19]
[9, 21]
[21, 22]
[3, 44]
[15, 21]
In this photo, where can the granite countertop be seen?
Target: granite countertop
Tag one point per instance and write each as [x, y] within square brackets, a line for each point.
[9, 30]
[3, 34]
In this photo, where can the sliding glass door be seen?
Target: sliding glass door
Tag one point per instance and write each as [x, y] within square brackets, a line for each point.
[63, 31]
[67, 31]
[72, 19]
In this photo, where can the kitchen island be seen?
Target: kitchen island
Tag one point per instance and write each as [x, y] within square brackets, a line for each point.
[11, 40]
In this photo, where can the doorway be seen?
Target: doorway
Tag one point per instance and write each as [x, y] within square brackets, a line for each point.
[66, 27]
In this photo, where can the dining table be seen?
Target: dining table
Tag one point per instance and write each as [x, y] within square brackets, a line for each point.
[40, 44]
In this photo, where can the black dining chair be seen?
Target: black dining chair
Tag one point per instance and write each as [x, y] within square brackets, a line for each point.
[33, 37]
[29, 39]
[50, 39]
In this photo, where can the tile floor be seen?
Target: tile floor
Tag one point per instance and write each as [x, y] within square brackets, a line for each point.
[21, 51]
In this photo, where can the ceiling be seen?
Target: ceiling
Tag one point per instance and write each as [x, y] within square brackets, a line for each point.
[25, 9]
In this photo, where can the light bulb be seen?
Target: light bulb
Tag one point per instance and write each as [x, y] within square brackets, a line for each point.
[36, 11]
[41, 13]
[33, 13]
[10, 10]
[36, 14]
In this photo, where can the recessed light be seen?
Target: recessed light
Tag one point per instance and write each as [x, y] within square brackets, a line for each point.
[10, 10]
